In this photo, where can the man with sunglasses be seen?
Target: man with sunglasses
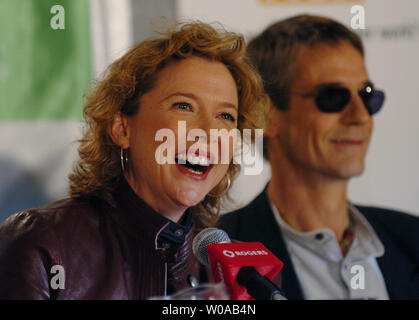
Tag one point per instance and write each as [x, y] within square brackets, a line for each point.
[317, 136]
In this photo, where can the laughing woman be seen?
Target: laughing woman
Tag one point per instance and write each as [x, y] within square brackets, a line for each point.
[126, 230]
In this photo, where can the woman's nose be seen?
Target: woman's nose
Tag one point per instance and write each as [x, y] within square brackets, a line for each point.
[202, 127]
[215, 135]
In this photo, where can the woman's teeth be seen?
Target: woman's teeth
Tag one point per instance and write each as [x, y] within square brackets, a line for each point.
[195, 171]
[195, 164]
[193, 159]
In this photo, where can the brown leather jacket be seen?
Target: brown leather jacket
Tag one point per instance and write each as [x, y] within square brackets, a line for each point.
[107, 252]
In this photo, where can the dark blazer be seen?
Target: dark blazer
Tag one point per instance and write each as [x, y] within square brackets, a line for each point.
[399, 233]
[107, 251]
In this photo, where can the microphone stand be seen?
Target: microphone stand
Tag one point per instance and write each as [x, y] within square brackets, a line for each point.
[258, 286]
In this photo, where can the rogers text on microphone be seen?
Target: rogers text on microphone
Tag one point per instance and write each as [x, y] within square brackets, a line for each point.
[232, 254]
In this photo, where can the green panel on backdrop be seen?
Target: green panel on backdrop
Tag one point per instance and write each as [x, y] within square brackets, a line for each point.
[44, 73]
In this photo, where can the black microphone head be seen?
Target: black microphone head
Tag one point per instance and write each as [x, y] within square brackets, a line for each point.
[204, 239]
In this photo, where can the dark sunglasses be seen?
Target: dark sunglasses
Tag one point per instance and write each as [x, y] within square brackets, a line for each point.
[334, 98]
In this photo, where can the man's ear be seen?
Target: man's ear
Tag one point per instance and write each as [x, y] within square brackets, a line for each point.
[119, 130]
[272, 125]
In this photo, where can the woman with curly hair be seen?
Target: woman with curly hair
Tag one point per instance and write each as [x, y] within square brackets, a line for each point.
[126, 230]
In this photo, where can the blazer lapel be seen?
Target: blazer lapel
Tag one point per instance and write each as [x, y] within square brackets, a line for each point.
[261, 226]
[400, 274]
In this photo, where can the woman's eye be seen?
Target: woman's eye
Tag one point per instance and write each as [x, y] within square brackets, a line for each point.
[228, 116]
[183, 106]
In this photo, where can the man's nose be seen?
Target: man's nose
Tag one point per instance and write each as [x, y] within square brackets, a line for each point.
[355, 112]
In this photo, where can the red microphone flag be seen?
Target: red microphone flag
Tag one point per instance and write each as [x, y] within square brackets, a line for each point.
[226, 260]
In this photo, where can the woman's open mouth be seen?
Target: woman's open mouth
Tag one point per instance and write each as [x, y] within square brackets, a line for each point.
[194, 166]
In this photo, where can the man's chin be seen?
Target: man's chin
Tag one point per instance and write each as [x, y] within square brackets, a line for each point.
[344, 171]
[351, 172]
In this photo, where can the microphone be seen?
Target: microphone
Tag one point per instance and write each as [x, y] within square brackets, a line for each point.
[246, 268]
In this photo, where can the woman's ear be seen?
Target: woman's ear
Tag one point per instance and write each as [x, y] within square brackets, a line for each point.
[272, 125]
[119, 130]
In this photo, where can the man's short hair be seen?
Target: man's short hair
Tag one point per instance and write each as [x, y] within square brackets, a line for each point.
[272, 51]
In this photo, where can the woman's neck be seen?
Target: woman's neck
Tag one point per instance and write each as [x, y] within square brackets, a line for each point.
[158, 202]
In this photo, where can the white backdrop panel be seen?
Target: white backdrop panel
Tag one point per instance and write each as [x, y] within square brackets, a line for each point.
[391, 39]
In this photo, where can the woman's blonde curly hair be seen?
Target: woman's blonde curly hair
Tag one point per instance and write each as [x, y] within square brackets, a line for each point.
[98, 171]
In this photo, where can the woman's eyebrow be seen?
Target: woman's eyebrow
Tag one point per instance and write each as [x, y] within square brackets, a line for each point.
[184, 94]
[194, 97]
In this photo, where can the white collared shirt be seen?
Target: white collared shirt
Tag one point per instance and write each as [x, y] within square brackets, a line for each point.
[322, 270]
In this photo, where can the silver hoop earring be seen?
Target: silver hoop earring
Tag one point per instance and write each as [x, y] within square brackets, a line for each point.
[124, 159]
[224, 191]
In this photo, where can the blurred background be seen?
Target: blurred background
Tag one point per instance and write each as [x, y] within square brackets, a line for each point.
[49, 56]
